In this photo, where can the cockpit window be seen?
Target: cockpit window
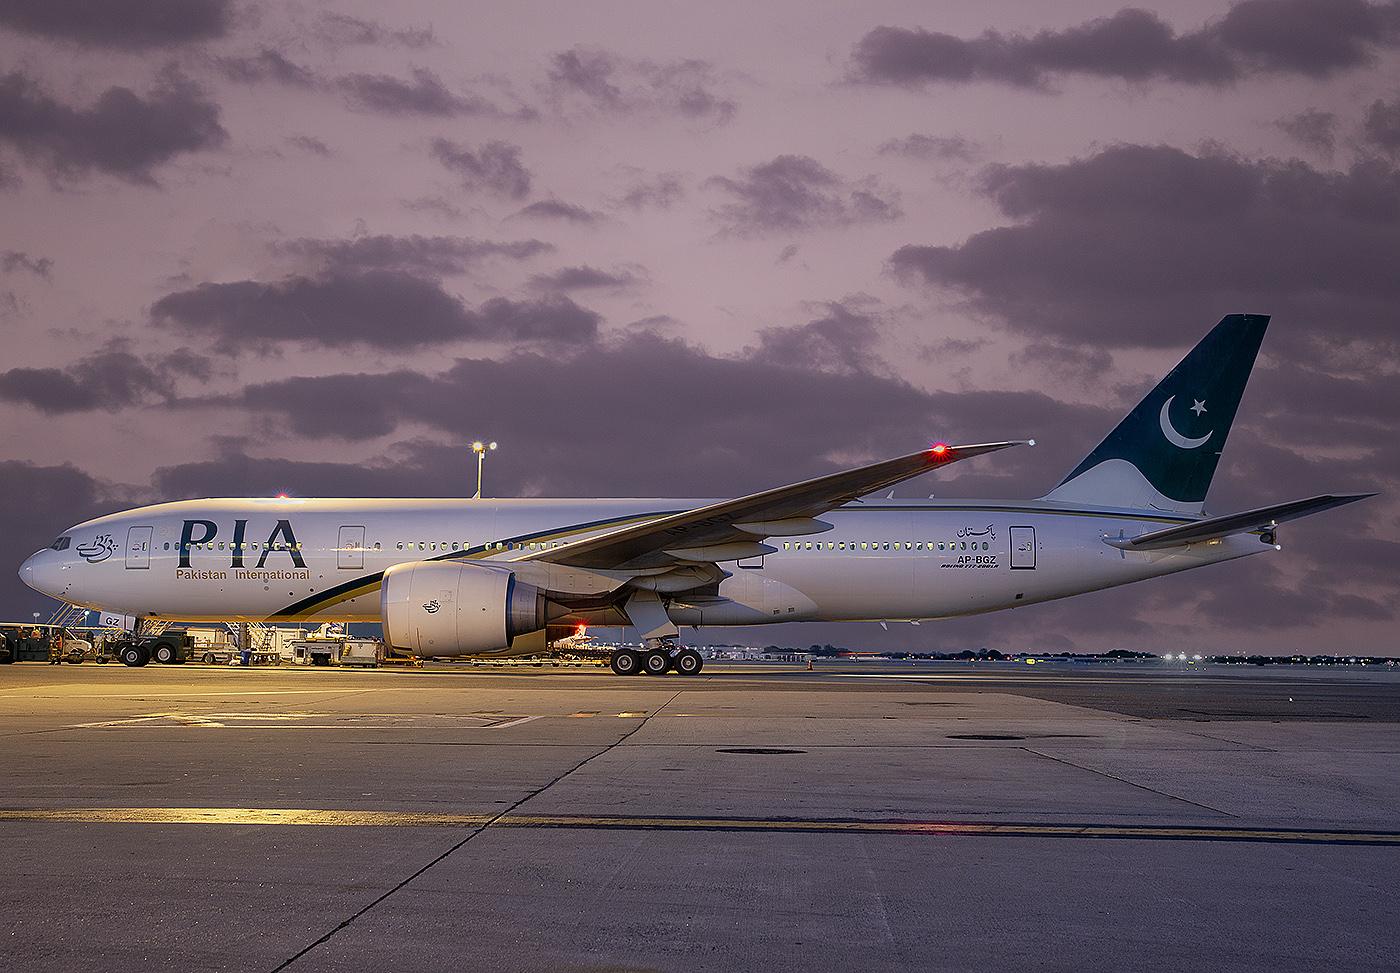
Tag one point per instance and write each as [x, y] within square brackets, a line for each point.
[61, 544]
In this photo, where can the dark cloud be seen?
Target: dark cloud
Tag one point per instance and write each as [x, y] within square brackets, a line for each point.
[660, 192]
[433, 256]
[437, 205]
[795, 192]
[341, 30]
[841, 340]
[555, 209]
[122, 134]
[309, 143]
[128, 24]
[234, 473]
[1312, 129]
[380, 308]
[267, 65]
[766, 419]
[1382, 126]
[583, 278]
[423, 94]
[113, 378]
[950, 147]
[12, 261]
[607, 82]
[35, 503]
[1150, 244]
[1313, 38]
[495, 167]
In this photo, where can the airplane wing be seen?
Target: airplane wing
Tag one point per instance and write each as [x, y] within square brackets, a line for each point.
[732, 529]
[1265, 518]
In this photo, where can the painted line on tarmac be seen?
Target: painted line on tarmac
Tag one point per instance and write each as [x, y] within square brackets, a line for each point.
[137, 694]
[284, 721]
[433, 819]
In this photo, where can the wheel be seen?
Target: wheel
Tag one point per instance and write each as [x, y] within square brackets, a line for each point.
[75, 657]
[133, 655]
[656, 662]
[165, 653]
[689, 663]
[626, 663]
[208, 659]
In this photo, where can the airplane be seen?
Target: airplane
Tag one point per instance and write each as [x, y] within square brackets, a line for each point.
[492, 577]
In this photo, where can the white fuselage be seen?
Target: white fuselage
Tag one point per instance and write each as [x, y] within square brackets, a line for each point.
[276, 559]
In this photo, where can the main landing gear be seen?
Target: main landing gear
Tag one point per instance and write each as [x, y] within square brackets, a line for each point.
[656, 658]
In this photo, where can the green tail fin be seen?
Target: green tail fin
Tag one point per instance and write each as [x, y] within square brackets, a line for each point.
[1164, 453]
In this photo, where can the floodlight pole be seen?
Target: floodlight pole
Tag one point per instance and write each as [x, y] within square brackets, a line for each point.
[480, 448]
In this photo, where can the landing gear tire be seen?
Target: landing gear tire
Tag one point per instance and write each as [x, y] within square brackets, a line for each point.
[656, 662]
[625, 663]
[689, 663]
[133, 655]
[165, 653]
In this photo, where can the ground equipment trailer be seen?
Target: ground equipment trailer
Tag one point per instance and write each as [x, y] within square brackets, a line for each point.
[31, 642]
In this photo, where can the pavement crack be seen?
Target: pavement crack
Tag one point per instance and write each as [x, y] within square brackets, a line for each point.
[345, 923]
[1130, 783]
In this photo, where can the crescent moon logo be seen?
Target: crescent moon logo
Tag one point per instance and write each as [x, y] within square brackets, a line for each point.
[1174, 437]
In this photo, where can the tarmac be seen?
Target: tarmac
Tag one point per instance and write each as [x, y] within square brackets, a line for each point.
[871, 816]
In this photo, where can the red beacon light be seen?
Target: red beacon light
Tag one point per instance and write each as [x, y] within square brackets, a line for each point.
[938, 450]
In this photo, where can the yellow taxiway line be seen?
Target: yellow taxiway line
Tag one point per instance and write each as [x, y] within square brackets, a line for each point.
[433, 819]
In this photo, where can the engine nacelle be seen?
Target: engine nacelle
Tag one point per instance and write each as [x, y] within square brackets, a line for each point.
[450, 608]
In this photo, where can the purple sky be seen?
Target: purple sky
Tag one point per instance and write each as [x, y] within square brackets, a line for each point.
[252, 248]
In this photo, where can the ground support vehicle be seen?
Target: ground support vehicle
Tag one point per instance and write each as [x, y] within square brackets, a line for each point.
[170, 647]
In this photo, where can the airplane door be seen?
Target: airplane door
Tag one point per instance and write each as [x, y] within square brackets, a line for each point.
[1022, 548]
[350, 552]
[138, 548]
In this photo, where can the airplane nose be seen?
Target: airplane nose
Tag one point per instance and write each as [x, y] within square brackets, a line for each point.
[38, 572]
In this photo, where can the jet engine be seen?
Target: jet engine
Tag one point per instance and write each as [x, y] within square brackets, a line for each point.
[450, 608]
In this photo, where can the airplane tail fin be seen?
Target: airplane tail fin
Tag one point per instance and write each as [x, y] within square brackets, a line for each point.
[1164, 453]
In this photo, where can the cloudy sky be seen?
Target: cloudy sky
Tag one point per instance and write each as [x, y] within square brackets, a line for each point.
[701, 249]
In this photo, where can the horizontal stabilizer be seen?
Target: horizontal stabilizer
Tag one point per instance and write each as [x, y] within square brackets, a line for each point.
[1264, 518]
